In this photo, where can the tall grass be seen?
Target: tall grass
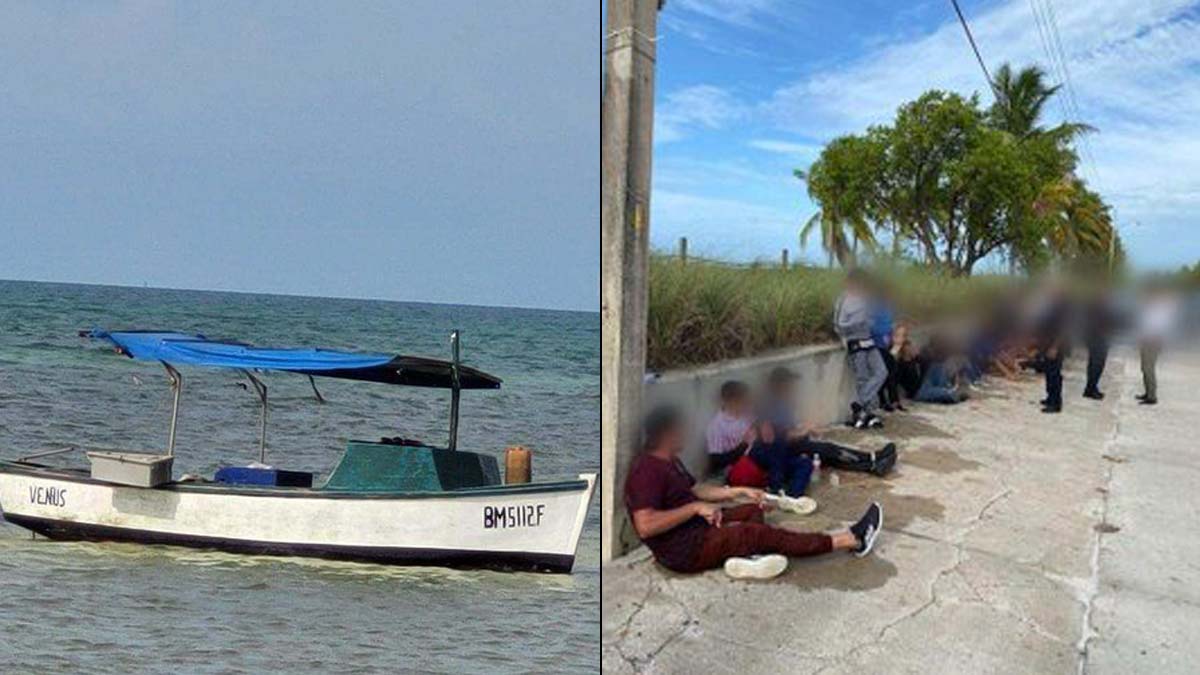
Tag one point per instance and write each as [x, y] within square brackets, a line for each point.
[704, 311]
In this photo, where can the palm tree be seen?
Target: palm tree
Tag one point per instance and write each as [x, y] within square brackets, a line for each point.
[1078, 222]
[1020, 98]
[841, 232]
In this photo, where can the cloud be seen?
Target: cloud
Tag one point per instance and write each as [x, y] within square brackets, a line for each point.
[740, 13]
[702, 106]
[790, 148]
[1135, 74]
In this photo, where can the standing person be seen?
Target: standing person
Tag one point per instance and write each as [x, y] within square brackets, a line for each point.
[1052, 347]
[1098, 325]
[687, 532]
[731, 431]
[1154, 327]
[852, 320]
[883, 326]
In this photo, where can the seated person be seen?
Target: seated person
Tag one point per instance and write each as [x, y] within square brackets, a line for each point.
[781, 401]
[731, 430]
[676, 517]
[941, 380]
[787, 471]
[908, 364]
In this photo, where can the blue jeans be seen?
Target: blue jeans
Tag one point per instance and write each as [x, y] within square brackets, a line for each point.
[937, 387]
[785, 469]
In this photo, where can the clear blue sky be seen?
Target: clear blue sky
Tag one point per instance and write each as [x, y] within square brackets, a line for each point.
[429, 150]
[748, 90]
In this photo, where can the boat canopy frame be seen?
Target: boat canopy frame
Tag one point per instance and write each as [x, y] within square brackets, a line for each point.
[198, 350]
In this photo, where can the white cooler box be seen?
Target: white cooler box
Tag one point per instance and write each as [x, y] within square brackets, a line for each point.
[131, 468]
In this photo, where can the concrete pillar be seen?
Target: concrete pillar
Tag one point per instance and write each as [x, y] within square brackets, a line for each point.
[683, 250]
[626, 123]
[783, 260]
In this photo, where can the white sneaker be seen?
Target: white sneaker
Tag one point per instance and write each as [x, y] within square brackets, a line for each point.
[799, 505]
[756, 567]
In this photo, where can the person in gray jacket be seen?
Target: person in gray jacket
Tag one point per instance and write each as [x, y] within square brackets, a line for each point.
[852, 320]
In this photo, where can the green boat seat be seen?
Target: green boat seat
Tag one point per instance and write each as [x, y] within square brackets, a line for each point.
[386, 467]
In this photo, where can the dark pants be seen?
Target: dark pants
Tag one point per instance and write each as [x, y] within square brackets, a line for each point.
[834, 456]
[1052, 367]
[786, 470]
[743, 533]
[1149, 353]
[889, 394]
[1097, 355]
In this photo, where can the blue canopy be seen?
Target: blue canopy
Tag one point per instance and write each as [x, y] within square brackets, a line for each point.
[197, 350]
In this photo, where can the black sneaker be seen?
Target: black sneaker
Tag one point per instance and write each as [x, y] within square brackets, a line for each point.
[866, 530]
[1097, 395]
[888, 449]
[1052, 408]
[874, 421]
[1147, 401]
[1140, 397]
[881, 464]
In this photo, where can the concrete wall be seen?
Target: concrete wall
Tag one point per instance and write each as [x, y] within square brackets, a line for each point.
[824, 398]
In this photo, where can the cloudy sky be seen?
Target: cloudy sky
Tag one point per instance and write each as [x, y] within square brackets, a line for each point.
[750, 89]
[426, 150]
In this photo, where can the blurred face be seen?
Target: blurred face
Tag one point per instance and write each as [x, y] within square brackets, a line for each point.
[782, 391]
[672, 440]
[766, 432]
[738, 405]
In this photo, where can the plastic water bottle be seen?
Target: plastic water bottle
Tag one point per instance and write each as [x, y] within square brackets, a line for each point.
[816, 472]
[834, 481]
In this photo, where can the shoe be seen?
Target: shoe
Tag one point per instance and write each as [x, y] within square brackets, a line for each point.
[883, 464]
[1148, 401]
[860, 421]
[874, 422]
[1140, 397]
[799, 505]
[900, 407]
[866, 530]
[887, 449]
[756, 567]
[888, 407]
[1097, 395]
[1052, 408]
[1044, 402]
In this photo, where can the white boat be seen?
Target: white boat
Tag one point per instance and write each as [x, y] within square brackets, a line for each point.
[392, 501]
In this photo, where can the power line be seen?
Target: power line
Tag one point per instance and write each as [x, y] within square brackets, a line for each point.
[974, 47]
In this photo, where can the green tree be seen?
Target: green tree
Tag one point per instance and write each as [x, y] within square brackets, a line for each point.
[953, 183]
[846, 174]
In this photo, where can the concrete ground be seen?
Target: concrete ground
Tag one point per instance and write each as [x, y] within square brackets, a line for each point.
[1014, 542]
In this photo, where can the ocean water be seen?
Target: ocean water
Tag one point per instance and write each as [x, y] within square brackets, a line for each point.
[103, 607]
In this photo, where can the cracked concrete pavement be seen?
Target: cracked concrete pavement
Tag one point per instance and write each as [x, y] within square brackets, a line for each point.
[1015, 542]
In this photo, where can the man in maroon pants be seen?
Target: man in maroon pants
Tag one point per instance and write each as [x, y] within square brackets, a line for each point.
[677, 519]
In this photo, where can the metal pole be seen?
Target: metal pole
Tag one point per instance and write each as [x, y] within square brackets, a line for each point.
[626, 124]
[261, 388]
[683, 250]
[176, 388]
[455, 391]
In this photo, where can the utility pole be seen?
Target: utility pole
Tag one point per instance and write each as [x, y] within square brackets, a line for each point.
[626, 123]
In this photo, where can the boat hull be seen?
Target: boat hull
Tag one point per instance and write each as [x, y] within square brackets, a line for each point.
[534, 527]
